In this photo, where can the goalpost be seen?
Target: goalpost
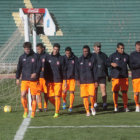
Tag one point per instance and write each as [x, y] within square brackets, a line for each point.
[36, 21]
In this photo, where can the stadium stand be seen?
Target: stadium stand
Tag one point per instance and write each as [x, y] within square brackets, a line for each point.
[85, 22]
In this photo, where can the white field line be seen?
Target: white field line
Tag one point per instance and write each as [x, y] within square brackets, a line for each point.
[86, 126]
[22, 129]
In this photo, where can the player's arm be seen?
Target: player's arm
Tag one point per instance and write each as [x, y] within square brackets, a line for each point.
[19, 70]
[111, 63]
[95, 70]
[64, 71]
[36, 68]
[134, 64]
[108, 68]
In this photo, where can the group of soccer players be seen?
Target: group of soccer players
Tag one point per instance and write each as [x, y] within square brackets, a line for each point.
[54, 75]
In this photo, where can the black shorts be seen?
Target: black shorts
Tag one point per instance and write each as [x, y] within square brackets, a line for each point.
[101, 80]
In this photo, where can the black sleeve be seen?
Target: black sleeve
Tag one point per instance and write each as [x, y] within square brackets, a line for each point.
[95, 69]
[133, 64]
[109, 61]
[76, 69]
[37, 65]
[64, 68]
[19, 68]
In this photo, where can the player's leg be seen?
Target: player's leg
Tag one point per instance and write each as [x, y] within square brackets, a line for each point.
[64, 94]
[50, 95]
[91, 92]
[115, 89]
[39, 97]
[71, 90]
[136, 89]
[136, 98]
[57, 92]
[84, 94]
[86, 105]
[104, 95]
[34, 91]
[124, 89]
[24, 90]
[34, 104]
[96, 96]
[39, 101]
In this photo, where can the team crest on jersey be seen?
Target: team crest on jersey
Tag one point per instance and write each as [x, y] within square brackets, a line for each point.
[117, 58]
[89, 63]
[72, 61]
[50, 61]
[33, 60]
[24, 59]
[81, 63]
[58, 63]
[124, 59]
[43, 60]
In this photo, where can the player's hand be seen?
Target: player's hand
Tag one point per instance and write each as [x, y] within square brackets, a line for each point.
[114, 65]
[17, 82]
[33, 76]
[96, 84]
[109, 79]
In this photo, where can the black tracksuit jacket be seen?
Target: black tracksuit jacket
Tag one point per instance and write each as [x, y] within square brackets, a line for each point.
[135, 64]
[122, 60]
[27, 65]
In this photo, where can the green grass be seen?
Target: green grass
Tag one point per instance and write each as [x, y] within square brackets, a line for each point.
[9, 122]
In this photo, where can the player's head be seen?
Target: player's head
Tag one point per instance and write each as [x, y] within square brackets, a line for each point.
[120, 48]
[27, 47]
[137, 45]
[68, 51]
[86, 50]
[97, 47]
[40, 48]
[56, 48]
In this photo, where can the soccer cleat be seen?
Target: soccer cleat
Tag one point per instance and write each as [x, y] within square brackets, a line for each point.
[95, 105]
[32, 115]
[45, 109]
[25, 115]
[56, 115]
[137, 109]
[116, 109]
[64, 106]
[93, 111]
[126, 110]
[70, 109]
[88, 114]
[39, 110]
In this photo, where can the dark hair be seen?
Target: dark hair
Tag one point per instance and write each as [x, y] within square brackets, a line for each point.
[27, 45]
[120, 44]
[56, 45]
[86, 47]
[68, 49]
[40, 45]
[137, 43]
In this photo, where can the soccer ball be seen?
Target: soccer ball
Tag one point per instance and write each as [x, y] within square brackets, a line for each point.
[7, 108]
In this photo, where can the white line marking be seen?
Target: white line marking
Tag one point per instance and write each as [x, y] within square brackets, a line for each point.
[22, 129]
[85, 126]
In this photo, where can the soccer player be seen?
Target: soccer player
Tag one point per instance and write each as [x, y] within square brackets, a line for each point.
[119, 62]
[102, 73]
[135, 68]
[29, 67]
[42, 83]
[71, 74]
[86, 71]
[55, 73]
